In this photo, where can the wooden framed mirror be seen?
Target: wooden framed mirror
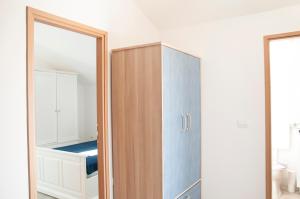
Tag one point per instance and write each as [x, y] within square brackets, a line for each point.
[33, 16]
[277, 79]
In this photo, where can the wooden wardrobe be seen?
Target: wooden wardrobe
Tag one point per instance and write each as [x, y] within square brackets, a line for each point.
[156, 123]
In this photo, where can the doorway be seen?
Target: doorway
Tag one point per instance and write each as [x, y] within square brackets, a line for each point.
[282, 116]
[61, 84]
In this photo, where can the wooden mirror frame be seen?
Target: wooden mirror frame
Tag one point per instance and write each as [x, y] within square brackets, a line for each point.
[34, 15]
[267, 40]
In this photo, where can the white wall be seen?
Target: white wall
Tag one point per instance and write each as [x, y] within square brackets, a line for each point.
[121, 18]
[233, 89]
[87, 110]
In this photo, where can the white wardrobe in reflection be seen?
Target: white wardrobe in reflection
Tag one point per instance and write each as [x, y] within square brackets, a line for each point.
[56, 108]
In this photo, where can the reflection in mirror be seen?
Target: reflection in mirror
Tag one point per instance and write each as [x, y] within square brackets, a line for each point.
[65, 113]
[285, 117]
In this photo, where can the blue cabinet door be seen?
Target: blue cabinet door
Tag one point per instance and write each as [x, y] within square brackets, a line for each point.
[194, 118]
[181, 165]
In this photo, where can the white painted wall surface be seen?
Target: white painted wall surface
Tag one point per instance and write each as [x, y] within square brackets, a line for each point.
[121, 18]
[233, 89]
[87, 118]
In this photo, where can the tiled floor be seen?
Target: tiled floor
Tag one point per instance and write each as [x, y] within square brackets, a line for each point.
[43, 196]
[290, 196]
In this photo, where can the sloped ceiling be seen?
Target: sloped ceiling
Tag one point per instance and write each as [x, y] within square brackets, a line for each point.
[60, 49]
[167, 14]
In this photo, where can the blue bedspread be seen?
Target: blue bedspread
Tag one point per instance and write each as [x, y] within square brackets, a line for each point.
[91, 161]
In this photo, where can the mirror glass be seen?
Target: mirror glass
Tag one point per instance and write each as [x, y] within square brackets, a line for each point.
[65, 113]
[285, 117]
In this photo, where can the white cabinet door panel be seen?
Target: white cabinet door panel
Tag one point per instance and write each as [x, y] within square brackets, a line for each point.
[67, 107]
[52, 168]
[72, 175]
[45, 107]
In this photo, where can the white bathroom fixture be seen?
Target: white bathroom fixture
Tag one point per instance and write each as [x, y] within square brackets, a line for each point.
[276, 178]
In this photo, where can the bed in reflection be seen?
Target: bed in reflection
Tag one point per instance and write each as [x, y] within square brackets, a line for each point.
[69, 171]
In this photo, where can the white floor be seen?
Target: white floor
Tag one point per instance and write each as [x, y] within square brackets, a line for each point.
[43, 196]
[290, 196]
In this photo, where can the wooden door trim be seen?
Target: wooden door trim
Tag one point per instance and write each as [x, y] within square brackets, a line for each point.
[34, 15]
[268, 135]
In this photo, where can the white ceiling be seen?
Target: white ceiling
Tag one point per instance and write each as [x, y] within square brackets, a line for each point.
[60, 49]
[177, 13]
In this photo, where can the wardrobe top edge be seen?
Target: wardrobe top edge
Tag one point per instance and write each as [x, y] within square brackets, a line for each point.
[55, 71]
[136, 46]
[152, 44]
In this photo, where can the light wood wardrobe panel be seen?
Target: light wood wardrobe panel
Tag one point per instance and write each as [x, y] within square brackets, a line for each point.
[137, 123]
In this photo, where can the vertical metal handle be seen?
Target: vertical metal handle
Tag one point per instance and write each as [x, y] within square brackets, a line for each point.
[189, 123]
[183, 122]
